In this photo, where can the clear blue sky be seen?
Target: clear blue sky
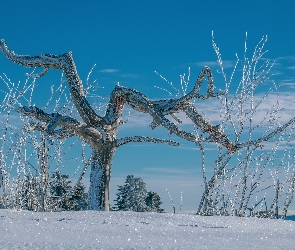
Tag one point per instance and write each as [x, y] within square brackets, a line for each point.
[131, 39]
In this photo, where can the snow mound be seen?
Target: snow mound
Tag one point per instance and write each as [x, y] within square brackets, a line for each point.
[130, 230]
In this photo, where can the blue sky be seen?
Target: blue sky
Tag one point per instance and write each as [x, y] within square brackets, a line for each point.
[129, 40]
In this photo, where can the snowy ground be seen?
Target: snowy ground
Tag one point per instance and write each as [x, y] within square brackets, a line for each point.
[129, 230]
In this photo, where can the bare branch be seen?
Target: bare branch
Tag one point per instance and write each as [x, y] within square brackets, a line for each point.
[128, 139]
[56, 134]
[158, 110]
[66, 63]
[171, 104]
[216, 134]
[54, 119]
[265, 138]
[44, 72]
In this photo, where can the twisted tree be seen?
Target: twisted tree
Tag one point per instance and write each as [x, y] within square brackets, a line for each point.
[100, 132]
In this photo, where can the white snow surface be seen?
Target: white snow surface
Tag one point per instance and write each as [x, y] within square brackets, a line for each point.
[131, 230]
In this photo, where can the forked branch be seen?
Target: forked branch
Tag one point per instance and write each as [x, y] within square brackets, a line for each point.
[66, 63]
[159, 109]
[69, 125]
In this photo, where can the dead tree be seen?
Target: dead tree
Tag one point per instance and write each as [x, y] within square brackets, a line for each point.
[100, 132]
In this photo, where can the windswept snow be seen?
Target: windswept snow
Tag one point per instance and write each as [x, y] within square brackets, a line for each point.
[131, 230]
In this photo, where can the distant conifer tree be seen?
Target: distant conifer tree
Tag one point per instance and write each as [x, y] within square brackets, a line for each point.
[133, 196]
[60, 185]
[153, 202]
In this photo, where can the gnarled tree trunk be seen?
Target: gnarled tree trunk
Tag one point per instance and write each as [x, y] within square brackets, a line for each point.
[99, 189]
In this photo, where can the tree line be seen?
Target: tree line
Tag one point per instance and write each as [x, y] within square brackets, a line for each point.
[132, 196]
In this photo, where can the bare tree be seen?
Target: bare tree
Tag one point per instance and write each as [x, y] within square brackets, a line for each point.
[100, 132]
[27, 150]
[262, 170]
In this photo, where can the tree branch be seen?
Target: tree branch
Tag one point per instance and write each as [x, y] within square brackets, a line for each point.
[66, 63]
[266, 137]
[216, 134]
[158, 110]
[56, 134]
[173, 104]
[128, 139]
[53, 120]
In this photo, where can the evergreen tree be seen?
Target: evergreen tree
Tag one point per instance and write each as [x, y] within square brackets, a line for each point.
[30, 193]
[60, 185]
[153, 202]
[79, 199]
[133, 196]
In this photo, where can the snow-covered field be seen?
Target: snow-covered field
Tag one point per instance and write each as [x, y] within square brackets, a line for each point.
[130, 230]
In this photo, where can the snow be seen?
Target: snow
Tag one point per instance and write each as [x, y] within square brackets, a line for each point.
[131, 230]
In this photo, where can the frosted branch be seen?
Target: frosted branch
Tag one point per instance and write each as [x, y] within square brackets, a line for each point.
[128, 139]
[215, 133]
[66, 63]
[159, 109]
[56, 134]
[54, 120]
[39, 75]
[266, 137]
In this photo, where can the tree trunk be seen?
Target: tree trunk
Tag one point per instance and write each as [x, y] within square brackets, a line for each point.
[44, 173]
[100, 174]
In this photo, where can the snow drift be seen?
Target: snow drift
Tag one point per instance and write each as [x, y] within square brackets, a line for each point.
[131, 230]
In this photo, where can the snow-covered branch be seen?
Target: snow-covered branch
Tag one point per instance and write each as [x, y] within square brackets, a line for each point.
[159, 109]
[128, 139]
[56, 134]
[53, 120]
[66, 63]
